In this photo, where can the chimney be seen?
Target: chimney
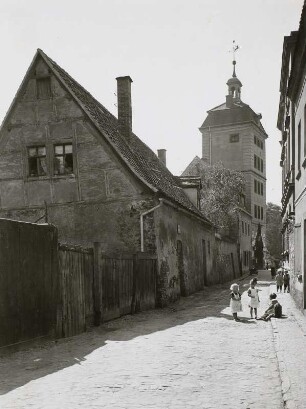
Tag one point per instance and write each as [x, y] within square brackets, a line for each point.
[161, 153]
[124, 105]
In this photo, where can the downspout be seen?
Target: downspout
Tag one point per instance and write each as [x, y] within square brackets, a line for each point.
[141, 223]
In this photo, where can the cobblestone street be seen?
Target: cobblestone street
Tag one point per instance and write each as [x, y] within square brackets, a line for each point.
[191, 355]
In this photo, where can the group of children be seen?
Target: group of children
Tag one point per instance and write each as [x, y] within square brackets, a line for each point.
[274, 309]
[282, 279]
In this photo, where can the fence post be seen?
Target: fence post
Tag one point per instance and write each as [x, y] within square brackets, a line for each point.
[135, 301]
[97, 286]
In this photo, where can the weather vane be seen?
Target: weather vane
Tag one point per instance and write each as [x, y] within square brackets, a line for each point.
[234, 49]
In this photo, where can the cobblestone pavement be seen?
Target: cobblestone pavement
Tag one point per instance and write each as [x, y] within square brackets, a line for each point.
[290, 340]
[191, 355]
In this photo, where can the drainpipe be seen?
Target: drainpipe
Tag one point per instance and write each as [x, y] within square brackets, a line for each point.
[141, 223]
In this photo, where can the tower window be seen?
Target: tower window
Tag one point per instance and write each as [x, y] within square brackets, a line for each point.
[234, 138]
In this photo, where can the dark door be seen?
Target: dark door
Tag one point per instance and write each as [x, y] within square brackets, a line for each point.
[204, 263]
[180, 266]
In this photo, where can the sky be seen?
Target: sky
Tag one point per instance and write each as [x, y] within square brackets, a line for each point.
[176, 51]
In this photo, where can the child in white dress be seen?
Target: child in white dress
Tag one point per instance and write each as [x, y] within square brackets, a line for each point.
[235, 302]
[254, 298]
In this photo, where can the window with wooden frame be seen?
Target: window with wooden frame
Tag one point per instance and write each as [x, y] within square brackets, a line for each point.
[63, 159]
[37, 161]
[43, 88]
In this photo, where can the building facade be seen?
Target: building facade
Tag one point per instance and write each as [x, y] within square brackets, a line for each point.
[292, 124]
[66, 160]
[232, 133]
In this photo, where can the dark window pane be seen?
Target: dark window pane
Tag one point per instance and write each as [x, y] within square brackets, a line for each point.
[68, 163]
[33, 167]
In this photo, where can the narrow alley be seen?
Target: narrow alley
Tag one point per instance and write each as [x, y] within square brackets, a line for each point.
[191, 355]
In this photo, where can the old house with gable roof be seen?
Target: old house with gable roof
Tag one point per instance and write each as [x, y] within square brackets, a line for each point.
[64, 154]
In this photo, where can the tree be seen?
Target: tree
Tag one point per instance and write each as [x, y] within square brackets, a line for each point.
[273, 231]
[221, 194]
[258, 248]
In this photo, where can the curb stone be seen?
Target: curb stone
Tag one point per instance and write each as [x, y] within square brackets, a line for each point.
[285, 380]
[288, 400]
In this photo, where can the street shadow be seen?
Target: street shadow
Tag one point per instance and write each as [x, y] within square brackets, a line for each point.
[19, 368]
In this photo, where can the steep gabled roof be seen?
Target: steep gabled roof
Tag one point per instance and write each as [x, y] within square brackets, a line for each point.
[140, 159]
[237, 113]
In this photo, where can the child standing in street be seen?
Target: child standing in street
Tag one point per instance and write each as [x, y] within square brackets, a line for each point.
[235, 302]
[279, 281]
[254, 298]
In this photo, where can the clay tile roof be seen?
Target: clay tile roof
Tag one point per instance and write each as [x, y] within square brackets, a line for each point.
[136, 154]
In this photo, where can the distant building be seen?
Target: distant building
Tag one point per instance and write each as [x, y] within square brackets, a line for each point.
[292, 124]
[66, 159]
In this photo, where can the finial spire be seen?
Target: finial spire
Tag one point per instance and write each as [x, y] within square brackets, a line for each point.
[235, 49]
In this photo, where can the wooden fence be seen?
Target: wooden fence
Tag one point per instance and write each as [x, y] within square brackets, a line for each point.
[28, 281]
[96, 287]
[47, 289]
[75, 309]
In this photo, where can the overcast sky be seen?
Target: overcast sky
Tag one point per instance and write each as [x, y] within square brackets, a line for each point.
[176, 51]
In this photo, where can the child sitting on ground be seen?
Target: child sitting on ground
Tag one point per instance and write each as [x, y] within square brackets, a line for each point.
[235, 302]
[274, 309]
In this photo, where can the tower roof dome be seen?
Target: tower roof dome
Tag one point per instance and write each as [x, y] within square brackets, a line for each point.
[234, 81]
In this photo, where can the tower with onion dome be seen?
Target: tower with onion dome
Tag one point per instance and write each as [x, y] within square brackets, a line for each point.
[232, 133]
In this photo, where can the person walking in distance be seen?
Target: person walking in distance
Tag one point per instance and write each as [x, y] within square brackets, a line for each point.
[286, 279]
[235, 303]
[279, 281]
[254, 298]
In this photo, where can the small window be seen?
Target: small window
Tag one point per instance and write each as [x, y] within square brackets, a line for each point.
[261, 213]
[248, 229]
[261, 189]
[43, 88]
[63, 159]
[37, 161]
[242, 226]
[234, 138]
[208, 247]
[255, 140]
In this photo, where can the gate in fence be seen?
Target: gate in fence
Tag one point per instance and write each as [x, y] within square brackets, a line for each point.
[96, 287]
[28, 281]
